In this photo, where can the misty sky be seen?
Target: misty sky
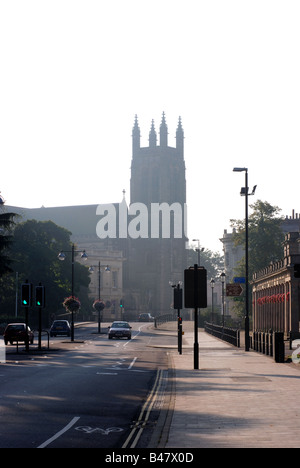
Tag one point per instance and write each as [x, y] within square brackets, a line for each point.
[75, 73]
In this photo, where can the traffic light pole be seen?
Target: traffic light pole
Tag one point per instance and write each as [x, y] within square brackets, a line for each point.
[178, 306]
[196, 343]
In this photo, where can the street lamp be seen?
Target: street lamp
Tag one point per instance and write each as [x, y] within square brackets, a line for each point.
[91, 270]
[245, 193]
[199, 250]
[62, 256]
[223, 279]
[212, 285]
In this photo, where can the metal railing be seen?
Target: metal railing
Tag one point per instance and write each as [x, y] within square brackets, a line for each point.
[230, 335]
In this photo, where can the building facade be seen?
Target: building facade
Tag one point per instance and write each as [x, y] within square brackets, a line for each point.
[276, 292]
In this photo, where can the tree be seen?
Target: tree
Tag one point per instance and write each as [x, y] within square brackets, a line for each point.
[6, 225]
[265, 235]
[34, 253]
[212, 261]
[265, 240]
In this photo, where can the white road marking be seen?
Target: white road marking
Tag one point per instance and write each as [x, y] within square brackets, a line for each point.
[132, 364]
[60, 433]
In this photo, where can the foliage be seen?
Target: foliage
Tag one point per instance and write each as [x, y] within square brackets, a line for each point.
[72, 304]
[265, 235]
[212, 261]
[99, 305]
[34, 256]
[265, 240]
[6, 225]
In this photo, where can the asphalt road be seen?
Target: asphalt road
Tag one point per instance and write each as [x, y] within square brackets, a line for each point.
[92, 393]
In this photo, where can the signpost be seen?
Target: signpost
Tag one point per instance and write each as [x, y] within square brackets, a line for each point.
[195, 296]
[234, 290]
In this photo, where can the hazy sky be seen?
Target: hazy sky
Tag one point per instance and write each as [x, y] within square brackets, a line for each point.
[74, 73]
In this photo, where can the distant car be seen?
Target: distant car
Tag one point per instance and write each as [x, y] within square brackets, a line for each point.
[146, 318]
[60, 328]
[120, 330]
[16, 332]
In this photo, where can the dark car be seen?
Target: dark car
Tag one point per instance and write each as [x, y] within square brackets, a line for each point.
[120, 330]
[146, 318]
[16, 332]
[60, 328]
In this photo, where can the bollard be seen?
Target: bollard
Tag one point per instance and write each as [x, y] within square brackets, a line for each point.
[278, 343]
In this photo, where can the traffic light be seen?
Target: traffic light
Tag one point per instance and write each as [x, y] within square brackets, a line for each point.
[297, 270]
[121, 303]
[177, 298]
[40, 296]
[26, 294]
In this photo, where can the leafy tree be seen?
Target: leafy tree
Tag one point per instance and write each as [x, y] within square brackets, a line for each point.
[265, 235]
[6, 224]
[34, 254]
[265, 240]
[212, 261]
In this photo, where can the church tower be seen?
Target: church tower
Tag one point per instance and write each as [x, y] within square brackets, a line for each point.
[158, 172]
[157, 177]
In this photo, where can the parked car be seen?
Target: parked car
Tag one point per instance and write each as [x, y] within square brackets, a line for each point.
[146, 318]
[17, 332]
[60, 328]
[120, 330]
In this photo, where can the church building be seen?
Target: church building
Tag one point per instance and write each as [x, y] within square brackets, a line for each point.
[157, 180]
[144, 260]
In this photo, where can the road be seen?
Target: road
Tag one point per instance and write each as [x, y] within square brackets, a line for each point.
[92, 393]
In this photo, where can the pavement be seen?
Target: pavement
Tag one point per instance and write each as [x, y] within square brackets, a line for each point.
[235, 399]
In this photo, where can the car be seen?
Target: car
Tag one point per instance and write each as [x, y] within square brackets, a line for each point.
[146, 318]
[16, 332]
[119, 330]
[60, 328]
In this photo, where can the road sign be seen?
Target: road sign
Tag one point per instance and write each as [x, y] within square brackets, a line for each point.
[241, 280]
[195, 299]
[233, 290]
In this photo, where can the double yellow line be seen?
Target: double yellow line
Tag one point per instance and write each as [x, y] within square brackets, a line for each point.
[140, 424]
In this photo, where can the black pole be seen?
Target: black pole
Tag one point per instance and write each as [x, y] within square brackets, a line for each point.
[247, 324]
[99, 294]
[196, 344]
[72, 313]
[27, 336]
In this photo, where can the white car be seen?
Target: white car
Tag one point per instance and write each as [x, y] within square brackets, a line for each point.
[119, 330]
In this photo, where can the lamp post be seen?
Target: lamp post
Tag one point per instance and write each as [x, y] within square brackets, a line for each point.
[62, 256]
[91, 270]
[223, 279]
[245, 193]
[212, 285]
[199, 250]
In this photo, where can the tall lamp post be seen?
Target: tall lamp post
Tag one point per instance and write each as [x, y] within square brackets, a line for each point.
[245, 193]
[199, 250]
[91, 270]
[223, 279]
[62, 256]
[212, 285]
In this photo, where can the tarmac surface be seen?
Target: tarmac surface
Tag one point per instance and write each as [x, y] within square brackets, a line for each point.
[235, 399]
